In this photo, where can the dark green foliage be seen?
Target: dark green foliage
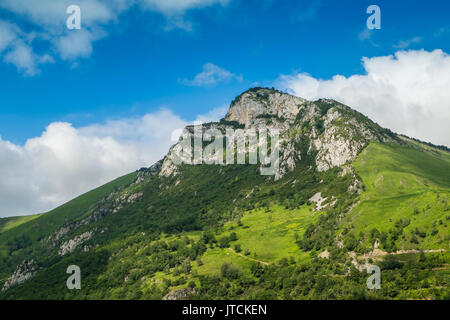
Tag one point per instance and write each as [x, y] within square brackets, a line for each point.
[260, 91]
[233, 124]
[440, 147]
[229, 271]
[391, 262]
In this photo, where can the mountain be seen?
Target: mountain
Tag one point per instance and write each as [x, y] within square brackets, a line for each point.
[347, 194]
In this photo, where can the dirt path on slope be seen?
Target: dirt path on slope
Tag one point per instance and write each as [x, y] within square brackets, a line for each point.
[247, 257]
[377, 254]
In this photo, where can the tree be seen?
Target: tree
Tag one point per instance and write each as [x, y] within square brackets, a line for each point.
[422, 257]
[390, 262]
[224, 242]
[291, 260]
[229, 271]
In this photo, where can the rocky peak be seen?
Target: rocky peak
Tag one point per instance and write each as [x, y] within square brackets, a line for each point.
[327, 130]
[258, 102]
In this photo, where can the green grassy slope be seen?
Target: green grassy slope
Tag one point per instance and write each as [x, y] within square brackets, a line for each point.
[9, 223]
[208, 198]
[265, 231]
[20, 237]
[406, 184]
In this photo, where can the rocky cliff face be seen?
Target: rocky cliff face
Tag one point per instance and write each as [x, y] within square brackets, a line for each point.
[327, 130]
[255, 103]
[24, 271]
[70, 245]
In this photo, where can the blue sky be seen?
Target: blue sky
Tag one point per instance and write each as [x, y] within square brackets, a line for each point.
[79, 108]
[136, 68]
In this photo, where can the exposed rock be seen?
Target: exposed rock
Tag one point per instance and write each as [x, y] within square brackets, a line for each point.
[324, 254]
[344, 137]
[335, 133]
[258, 102]
[71, 245]
[24, 271]
[110, 204]
[318, 200]
[376, 244]
[181, 294]
[146, 173]
[128, 197]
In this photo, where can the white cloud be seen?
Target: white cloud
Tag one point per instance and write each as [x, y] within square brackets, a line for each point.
[14, 45]
[8, 33]
[23, 58]
[367, 35]
[171, 7]
[407, 92]
[403, 44]
[65, 161]
[214, 115]
[75, 44]
[211, 75]
[51, 15]
[45, 20]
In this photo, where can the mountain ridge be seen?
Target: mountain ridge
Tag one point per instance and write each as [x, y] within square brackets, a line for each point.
[172, 226]
[335, 131]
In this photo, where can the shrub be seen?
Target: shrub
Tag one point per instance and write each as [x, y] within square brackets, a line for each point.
[229, 271]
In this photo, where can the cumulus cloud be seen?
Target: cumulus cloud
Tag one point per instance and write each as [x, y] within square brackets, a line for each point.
[65, 161]
[45, 20]
[211, 75]
[406, 92]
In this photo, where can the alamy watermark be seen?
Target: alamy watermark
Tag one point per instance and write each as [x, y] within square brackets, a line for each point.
[235, 146]
[374, 281]
[73, 22]
[74, 281]
[374, 21]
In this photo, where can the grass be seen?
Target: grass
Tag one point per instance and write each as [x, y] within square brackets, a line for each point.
[76, 208]
[271, 235]
[10, 223]
[390, 170]
[403, 182]
[38, 227]
[213, 259]
[397, 179]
